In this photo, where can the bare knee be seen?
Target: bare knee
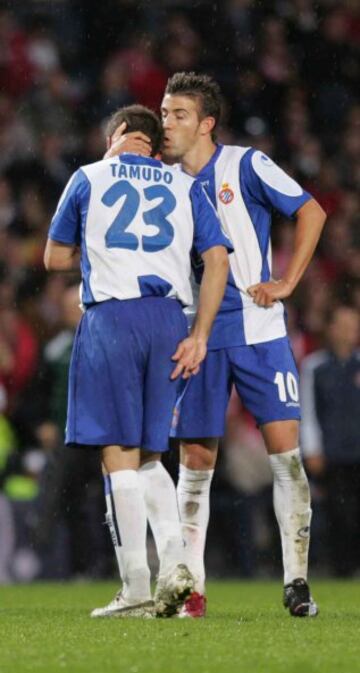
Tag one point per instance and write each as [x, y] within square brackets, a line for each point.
[199, 454]
[281, 436]
[148, 457]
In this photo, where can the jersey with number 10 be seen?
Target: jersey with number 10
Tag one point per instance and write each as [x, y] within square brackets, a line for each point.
[245, 186]
[135, 220]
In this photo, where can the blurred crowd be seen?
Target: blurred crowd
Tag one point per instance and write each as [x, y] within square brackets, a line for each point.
[289, 71]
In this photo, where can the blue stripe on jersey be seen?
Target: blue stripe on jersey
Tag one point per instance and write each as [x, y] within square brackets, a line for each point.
[153, 285]
[229, 319]
[207, 176]
[232, 299]
[259, 215]
[87, 295]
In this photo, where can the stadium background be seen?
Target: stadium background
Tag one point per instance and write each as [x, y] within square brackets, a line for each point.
[289, 71]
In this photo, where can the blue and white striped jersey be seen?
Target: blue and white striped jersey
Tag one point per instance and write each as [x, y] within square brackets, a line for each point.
[135, 220]
[245, 186]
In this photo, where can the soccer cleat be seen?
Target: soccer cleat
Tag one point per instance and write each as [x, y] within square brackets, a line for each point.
[120, 607]
[194, 606]
[298, 599]
[172, 591]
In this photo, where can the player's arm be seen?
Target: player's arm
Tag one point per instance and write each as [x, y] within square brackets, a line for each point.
[213, 247]
[61, 257]
[192, 350]
[310, 220]
[212, 288]
[134, 142]
[62, 248]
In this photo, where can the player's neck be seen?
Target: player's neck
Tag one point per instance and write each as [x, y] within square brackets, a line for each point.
[197, 157]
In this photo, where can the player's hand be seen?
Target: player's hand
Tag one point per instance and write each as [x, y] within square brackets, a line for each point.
[189, 355]
[266, 294]
[134, 142]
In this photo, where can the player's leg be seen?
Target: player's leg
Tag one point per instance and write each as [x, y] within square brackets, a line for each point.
[126, 517]
[196, 470]
[162, 511]
[175, 582]
[292, 507]
[106, 410]
[267, 381]
[202, 421]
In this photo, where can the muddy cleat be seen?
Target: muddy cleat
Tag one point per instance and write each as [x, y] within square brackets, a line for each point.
[172, 591]
[298, 599]
[120, 607]
[194, 606]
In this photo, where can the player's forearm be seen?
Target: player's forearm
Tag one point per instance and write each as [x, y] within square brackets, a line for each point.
[212, 288]
[309, 224]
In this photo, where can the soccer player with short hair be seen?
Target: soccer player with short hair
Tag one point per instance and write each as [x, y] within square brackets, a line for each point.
[248, 346]
[134, 220]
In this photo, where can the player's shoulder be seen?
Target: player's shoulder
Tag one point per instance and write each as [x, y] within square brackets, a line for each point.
[180, 175]
[248, 155]
[232, 152]
[95, 166]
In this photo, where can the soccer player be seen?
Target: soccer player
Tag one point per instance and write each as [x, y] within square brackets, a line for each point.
[248, 346]
[133, 221]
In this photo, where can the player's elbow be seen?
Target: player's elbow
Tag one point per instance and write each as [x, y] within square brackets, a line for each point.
[320, 214]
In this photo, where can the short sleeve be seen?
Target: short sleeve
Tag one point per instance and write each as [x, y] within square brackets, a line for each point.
[207, 226]
[269, 185]
[66, 224]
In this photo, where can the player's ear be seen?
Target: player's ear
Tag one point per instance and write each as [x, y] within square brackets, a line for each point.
[108, 142]
[207, 125]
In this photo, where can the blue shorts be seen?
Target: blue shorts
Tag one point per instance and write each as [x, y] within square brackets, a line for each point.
[120, 390]
[265, 377]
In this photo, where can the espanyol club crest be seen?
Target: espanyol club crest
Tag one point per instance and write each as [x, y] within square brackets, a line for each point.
[226, 194]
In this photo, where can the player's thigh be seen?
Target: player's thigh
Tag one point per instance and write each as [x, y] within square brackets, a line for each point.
[203, 406]
[106, 373]
[267, 380]
[168, 328]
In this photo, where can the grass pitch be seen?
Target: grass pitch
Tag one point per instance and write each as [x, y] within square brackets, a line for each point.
[46, 628]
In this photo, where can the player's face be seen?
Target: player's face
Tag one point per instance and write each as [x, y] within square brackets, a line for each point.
[182, 125]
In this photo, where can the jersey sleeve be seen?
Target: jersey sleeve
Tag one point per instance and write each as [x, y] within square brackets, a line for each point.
[65, 226]
[207, 226]
[268, 185]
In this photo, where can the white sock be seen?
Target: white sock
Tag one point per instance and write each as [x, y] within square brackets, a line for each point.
[163, 514]
[193, 491]
[293, 512]
[126, 517]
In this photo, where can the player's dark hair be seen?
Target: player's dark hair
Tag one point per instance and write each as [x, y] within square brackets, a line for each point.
[137, 118]
[201, 87]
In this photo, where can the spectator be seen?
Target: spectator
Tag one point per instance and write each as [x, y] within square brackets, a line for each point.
[330, 433]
